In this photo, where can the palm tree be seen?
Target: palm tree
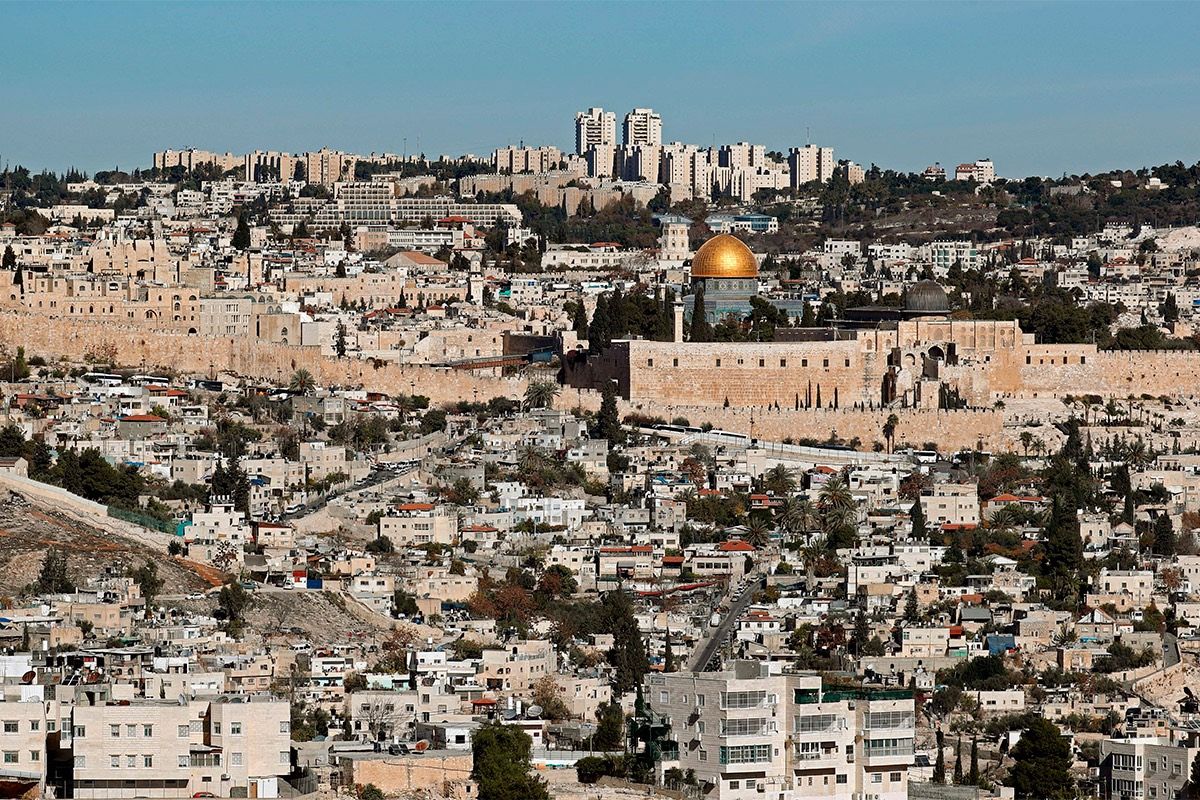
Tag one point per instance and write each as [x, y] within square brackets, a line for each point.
[541, 394]
[1026, 441]
[889, 430]
[758, 531]
[837, 507]
[302, 381]
[779, 480]
[797, 515]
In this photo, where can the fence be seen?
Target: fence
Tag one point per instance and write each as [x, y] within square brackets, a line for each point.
[145, 520]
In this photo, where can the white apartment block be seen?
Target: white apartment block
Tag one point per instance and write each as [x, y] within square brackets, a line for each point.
[810, 163]
[642, 126]
[951, 504]
[593, 128]
[147, 748]
[754, 731]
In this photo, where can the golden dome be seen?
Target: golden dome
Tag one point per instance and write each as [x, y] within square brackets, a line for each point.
[724, 256]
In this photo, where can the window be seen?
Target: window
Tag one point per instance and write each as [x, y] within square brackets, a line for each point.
[674, 362]
[876, 777]
[130, 760]
[701, 754]
[285, 726]
[184, 730]
[746, 754]
[742, 699]
[131, 729]
[814, 723]
[235, 729]
[114, 731]
[147, 761]
[284, 757]
[664, 697]
[80, 731]
[735, 785]
[80, 762]
[183, 762]
[750, 726]
[11, 757]
[804, 362]
[35, 724]
[783, 362]
[718, 362]
[649, 362]
[825, 363]
[11, 726]
[35, 755]
[114, 761]
[236, 759]
[700, 700]
[894, 777]
[841, 778]
[762, 362]
[217, 728]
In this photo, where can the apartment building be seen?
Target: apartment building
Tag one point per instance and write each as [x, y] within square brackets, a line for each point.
[1148, 767]
[642, 126]
[23, 730]
[146, 748]
[810, 163]
[594, 127]
[415, 524]
[755, 731]
[951, 504]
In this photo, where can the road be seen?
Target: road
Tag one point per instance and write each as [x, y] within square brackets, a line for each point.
[376, 478]
[706, 651]
[1170, 650]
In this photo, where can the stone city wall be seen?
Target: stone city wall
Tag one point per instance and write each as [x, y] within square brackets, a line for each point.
[130, 346]
[1057, 370]
[951, 430]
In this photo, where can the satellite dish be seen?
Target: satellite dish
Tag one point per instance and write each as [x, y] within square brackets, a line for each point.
[533, 712]
[28, 677]
[421, 746]
[510, 714]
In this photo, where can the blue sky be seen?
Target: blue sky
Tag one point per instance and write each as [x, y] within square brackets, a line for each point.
[1039, 88]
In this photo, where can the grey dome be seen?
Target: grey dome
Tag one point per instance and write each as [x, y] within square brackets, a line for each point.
[926, 297]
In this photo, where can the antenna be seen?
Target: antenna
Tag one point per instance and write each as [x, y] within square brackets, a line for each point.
[807, 135]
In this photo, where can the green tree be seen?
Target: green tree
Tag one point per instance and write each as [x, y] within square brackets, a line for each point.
[541, 394]
[241, 236]
[1164, 536]
[600, 329]
[700, 331]
[919, 528]
[232, 602]
[302, 381]
[18, 369]
[339, 340]
[370, 792]
[608, 422]
[610, 734]
[148, 580]
[53, 577]
[958, 767]
[10, 259]
[1042, 767]
[628, 653]
[501, 764]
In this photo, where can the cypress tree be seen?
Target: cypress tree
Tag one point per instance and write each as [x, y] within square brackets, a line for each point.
[973, 775]
[701, 331]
